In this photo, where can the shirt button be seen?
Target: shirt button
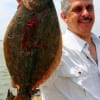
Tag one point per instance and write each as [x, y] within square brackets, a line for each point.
[79, 73]
[87, 57]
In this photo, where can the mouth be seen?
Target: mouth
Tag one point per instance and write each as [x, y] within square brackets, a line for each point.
[85, 20]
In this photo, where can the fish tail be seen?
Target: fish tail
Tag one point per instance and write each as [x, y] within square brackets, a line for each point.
[23, 97]
[23, 94]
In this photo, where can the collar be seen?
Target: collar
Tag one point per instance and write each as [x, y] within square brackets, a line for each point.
[72, 41]
[96, 39]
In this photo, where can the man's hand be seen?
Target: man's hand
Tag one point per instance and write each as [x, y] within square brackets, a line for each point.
[14, 85]
[19, 3]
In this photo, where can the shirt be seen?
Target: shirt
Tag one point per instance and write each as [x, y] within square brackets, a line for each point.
[78, 76]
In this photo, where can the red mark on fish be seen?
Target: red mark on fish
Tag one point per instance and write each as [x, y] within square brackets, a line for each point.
[31, 37]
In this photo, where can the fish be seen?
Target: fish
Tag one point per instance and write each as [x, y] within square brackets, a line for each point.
[32, 45]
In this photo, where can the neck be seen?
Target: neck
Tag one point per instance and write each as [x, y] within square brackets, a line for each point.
[86, 37]
[92, 50]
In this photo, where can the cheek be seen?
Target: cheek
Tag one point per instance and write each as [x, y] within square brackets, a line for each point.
[93, 18]
[73, 17]
[72, 21]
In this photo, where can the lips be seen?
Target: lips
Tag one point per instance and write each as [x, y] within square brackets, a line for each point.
[85, 20]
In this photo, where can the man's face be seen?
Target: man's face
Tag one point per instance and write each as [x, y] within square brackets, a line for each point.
[80, 17]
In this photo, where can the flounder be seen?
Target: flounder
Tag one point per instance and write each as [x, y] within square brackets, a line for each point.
[32, 45]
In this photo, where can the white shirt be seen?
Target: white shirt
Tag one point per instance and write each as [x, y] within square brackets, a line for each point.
[78, 75]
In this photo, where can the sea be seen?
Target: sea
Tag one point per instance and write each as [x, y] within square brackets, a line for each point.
[4, 76]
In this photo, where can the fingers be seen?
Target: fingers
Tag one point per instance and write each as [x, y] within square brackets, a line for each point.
[10, 95]
[19, 1]
[14, 85]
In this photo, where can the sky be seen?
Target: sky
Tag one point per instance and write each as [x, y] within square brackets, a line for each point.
[9, 7]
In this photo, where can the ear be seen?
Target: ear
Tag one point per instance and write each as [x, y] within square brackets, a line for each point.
[64, 17]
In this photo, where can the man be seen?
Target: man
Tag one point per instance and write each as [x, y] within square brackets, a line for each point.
[78, 75]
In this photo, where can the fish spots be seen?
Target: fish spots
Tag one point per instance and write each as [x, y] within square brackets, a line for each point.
[31, 38]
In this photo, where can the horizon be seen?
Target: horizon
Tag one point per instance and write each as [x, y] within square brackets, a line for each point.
[7, 12]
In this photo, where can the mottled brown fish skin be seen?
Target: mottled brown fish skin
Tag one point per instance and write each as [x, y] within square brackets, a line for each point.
[32, 45]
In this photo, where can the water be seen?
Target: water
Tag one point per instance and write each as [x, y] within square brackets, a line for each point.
[4, 75]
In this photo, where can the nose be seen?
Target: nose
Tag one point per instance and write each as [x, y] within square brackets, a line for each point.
[85, 12]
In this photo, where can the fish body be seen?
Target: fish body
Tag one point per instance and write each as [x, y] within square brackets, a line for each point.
[32, 45]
